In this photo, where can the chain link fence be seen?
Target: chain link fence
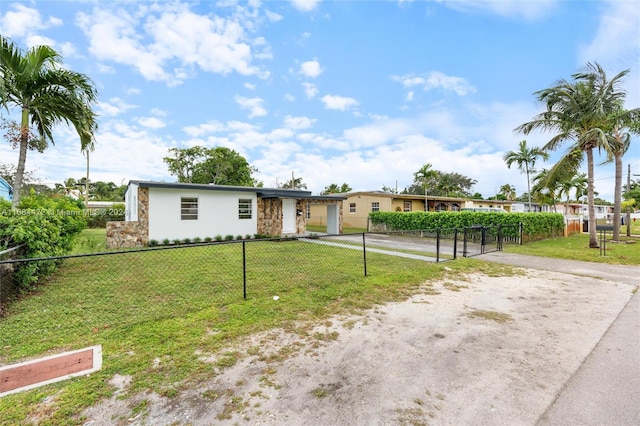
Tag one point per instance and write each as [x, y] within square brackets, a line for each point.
[116, 287]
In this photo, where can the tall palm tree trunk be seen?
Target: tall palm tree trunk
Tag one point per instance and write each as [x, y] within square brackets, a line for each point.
[22, 158]
[593, 238]
[617, 197]
[528, 187]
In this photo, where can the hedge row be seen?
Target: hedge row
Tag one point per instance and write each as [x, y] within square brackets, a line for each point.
[535, 225]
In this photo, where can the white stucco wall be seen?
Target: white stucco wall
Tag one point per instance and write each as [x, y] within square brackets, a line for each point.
[217, 214]
[131, 203]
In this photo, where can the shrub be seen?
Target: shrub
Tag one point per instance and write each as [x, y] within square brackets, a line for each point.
[197, 240]
[186, 241]
[247, 237]
[218, 237]
[239, 237]
[177, 241]
[153, 243]
[228, 237]
[166, 242]
[46, 227]
[208, 239]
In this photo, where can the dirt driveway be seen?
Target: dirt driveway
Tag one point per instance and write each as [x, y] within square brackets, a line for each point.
[482, 351]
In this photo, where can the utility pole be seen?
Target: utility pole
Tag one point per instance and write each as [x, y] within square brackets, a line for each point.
[86, 191]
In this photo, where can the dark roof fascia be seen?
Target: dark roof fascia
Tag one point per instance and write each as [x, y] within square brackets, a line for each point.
[261, 192]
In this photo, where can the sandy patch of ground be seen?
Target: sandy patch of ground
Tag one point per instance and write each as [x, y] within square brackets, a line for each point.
[484, 351]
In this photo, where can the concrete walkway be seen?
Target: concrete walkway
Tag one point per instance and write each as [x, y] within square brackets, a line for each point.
[605, 390]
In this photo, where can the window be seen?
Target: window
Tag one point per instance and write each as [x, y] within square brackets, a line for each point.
[352, 207]
[308, 211]
[244, 209]
[441, 207]
[188, 208]
[407, 206]
[375, 207]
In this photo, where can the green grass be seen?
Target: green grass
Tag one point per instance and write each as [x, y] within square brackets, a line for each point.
[91, 241]
[576, 247]
[156, 312]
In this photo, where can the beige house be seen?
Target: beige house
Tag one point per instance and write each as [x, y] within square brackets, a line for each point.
[357, 206]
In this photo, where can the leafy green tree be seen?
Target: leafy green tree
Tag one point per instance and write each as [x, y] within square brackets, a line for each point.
[219, 166]
[334, 188]
[47, 94]
[526, 159]
[425, 176]
[582, 113]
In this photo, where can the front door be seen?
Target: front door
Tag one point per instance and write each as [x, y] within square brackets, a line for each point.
[288, 216]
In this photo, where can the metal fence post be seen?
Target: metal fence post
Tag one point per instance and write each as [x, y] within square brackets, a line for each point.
[244, 270]
[455, 243]
[364, 253]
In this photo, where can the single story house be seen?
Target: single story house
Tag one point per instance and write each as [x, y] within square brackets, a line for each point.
[358, 205]
[6, 191]
[176, 211]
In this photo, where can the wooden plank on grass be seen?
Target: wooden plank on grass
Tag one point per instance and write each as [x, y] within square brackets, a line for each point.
[38, 372]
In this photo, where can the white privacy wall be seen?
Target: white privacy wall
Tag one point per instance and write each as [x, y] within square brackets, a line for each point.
[217, 214]
[131, 203]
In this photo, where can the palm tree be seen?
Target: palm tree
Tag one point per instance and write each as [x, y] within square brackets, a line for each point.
[619, 143]
[525, 158]
[580, 112]
[509, 191]
[47, 94]
[425, 175]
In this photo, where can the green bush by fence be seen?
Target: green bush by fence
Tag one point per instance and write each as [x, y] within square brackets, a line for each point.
[43, 227]
[535, 225]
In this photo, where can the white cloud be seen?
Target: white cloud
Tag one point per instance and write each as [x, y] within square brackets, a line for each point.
[289, 97]
[298, 122]
[249, 86]
[254, 105]
[151, 122]
[272, 16]
[22, 21]
[203, 129]
[310, 89]
[616, 45]
[311, 69]
[337, 102]
[166, 41]
[305, 5]
[528, 10]
[113, 107]
[436, 80]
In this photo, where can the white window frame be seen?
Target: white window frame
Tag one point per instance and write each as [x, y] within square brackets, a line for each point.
[352, 207]
[188, 208]
[375, 206]
[245, 208]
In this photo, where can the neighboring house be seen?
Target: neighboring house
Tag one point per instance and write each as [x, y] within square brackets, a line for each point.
[358, 205]
[6, 191]
[159, 211]
[568, 209]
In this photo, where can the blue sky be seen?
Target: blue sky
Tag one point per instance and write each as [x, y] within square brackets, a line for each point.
[362, 92]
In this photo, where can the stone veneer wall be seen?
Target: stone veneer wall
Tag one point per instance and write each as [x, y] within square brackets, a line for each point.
[270, 217]
[131, 234]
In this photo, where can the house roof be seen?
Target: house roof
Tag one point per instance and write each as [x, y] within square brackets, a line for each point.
[431, 198]
[264, 193]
